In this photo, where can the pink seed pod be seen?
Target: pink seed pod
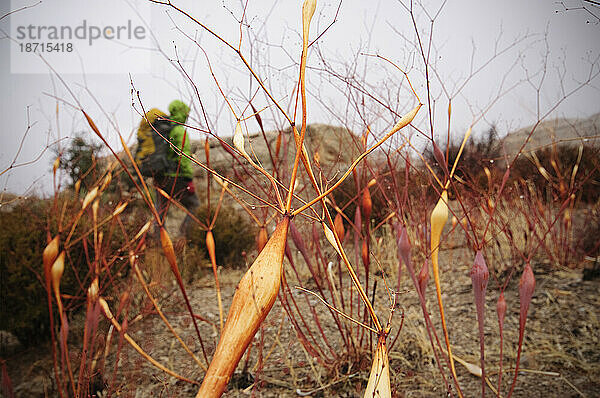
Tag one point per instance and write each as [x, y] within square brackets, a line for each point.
[404, 245]
[501, 309]
[338, 223]
[526, 288]
[367, 205]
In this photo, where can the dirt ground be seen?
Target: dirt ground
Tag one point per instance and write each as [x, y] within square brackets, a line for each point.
[561, 353]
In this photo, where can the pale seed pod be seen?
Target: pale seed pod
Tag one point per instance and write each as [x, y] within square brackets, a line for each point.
[238, 140]
[142, 230]
[106, 181]
[406, 119]
[439, 216]
[77, 186]
[56, 272]
[95, 206]
[49, 256]
[91, 195]
[379, 378]
[488, 174]
[331, 238]
[490, 204]
[119, 209]
[308, 10]
[92, 292]
[210, 246]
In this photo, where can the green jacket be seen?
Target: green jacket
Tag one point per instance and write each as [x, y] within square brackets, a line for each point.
[179, 113]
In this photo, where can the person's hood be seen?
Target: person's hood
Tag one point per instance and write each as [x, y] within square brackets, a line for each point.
[179, 111]
[150, 117]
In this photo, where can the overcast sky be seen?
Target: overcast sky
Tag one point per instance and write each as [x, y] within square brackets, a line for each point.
[527, 36]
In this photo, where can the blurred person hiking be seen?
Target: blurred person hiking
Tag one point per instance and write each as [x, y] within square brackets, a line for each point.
[157, 158]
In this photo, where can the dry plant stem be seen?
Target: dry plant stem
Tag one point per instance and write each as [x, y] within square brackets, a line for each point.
[48, 257]
[146, 196]
[404, 121]
[210, 246]
[501, 311]
[179, 206]
[308, 9]
[169, 252]
[254, 298]
[479, 278]
[140, 278]
[439, 216]
[108, 314]
[526, 288]
[56, 273]
[334, 240]
[336, 310]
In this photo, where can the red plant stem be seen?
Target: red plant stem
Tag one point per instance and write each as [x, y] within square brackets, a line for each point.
[302, 319]
[297, 238]
[479, 278]
[86, 336]
[501, 310]
[57, 374]
[312, 309]
[428, 324]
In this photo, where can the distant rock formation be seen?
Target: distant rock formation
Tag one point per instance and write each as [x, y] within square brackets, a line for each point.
[561, 131]
[334, 145]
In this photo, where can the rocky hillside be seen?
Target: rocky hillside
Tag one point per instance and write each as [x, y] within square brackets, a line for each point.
[334, 145]
[562, 131]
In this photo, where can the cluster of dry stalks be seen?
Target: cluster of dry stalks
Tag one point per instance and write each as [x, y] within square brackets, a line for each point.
[344, 292]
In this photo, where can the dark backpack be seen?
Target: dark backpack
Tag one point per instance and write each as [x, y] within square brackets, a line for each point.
[152, 152]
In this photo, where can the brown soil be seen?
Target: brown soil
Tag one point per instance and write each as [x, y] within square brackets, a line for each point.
[561, 354]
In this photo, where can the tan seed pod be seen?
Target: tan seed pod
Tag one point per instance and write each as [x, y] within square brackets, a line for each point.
[366, 205]
[92, 292]
[253, 299]
[331, 239]
[338, 223]
[56, 272]
[49, 255]
[55, 165]
[207, 150]
[262, 238]
[379, 379]
[106, 181]
[308, 10]
[91, 195]
[406, 119]
[119, 209]
[364, 253]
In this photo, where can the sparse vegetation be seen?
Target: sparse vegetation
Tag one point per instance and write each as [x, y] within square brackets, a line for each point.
[328, 278]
